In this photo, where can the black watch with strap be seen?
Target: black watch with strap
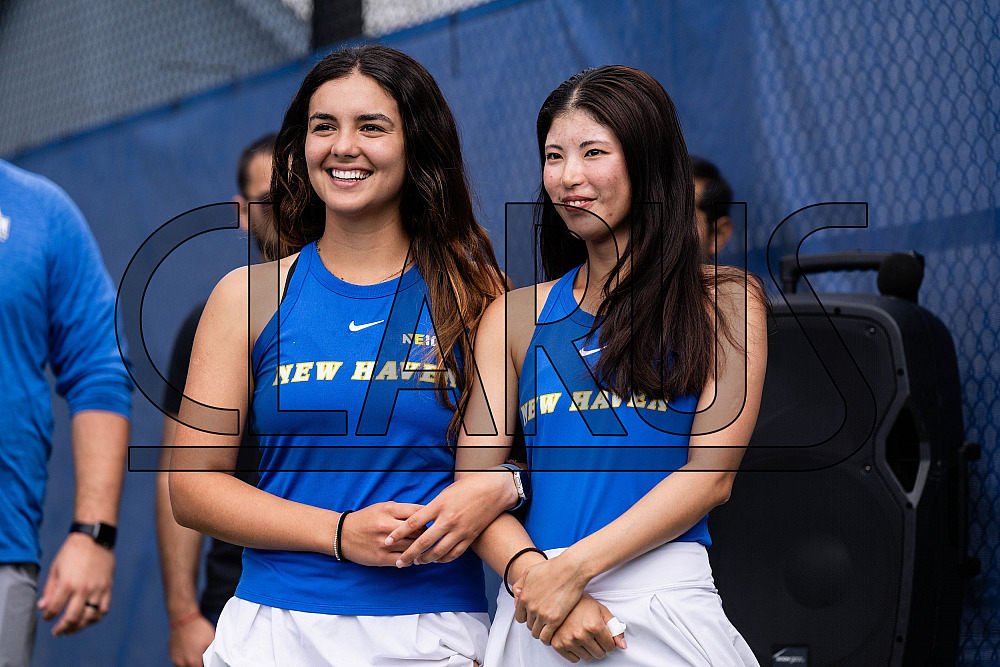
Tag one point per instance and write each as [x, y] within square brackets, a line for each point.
[103, 533]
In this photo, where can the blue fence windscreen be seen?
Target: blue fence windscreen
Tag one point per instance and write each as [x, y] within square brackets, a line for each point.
[895, 104]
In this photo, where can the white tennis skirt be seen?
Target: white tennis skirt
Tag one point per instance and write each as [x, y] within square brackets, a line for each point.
[254, 635]
[668, 602]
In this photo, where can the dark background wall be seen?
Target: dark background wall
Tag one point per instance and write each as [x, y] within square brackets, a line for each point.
[895, 104]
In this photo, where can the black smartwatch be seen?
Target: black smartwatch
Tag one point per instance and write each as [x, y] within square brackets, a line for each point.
[103, 533]
[521, 482]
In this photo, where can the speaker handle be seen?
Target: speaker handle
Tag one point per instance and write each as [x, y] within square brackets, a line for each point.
[969, 566]
[792, 266]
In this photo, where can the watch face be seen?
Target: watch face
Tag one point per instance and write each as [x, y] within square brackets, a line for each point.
[102, 533]
[105, 535]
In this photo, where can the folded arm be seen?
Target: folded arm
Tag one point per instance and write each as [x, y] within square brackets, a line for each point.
[727, 413]
[481, 492]
[204, 494]
[584, 635]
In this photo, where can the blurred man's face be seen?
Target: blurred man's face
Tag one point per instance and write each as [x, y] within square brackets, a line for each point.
[713, 239]
[258, 185]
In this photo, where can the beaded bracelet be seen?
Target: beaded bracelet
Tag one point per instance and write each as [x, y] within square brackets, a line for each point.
[511, 562]
[337, 551]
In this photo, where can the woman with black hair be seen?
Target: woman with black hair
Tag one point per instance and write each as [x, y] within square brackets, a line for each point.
[637, 377]
[348, 354]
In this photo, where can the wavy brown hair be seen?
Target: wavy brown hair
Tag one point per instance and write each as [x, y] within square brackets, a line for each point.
[450, 248]
[656, 328]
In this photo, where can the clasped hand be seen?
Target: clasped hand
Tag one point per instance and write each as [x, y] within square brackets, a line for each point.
[362, 538]
[459, 514]
[545, 594]
[549, 599]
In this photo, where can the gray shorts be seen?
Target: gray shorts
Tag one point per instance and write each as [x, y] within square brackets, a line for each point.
[18, 613]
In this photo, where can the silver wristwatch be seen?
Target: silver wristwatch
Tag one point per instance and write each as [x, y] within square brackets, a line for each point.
[521, 482]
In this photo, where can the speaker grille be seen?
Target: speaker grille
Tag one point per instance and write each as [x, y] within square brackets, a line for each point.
[809, 549]
[827, 389]
[811, 559]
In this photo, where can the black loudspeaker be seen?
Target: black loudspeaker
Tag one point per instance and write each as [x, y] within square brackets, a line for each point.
[844, 540]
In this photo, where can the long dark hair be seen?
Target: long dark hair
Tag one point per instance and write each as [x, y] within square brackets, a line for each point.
[450, 248]
[656, 332]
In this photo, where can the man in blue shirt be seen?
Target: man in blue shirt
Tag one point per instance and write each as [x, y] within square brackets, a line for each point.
[56, 308]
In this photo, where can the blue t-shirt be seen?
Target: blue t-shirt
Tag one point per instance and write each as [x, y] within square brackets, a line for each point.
[592, 454]
[57, 308]
[367, 350]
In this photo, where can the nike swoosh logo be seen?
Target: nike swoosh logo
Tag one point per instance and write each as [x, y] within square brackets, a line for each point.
[587, 353]
[358, 327]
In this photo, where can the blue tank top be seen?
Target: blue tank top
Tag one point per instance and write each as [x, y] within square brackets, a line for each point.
[347, 415]
[592, 455]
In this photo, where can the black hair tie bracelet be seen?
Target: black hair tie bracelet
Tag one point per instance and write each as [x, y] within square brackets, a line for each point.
[511, 562]
[338, 550]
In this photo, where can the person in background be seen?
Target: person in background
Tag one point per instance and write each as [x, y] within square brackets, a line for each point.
[192, 619]
[57, 308]
[712, 196]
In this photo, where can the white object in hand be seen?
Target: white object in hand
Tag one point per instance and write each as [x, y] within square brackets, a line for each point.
[616, 627]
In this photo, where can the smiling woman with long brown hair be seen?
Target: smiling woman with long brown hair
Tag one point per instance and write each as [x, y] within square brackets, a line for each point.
[387, 273]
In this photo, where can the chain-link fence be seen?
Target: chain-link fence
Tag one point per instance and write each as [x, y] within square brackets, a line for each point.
[70, 66]
[898, 104]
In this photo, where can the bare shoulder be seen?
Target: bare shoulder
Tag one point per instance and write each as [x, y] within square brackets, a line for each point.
[276, 270]
[285, 263]
[519, 304]
[510, 320]
[229, 297]
[222, 325]
[496, 313]
[542, 290]
[733, 289]
[266, 285]
[739, 299]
